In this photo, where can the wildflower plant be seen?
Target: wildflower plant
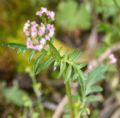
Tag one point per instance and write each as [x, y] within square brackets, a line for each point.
[40, 40]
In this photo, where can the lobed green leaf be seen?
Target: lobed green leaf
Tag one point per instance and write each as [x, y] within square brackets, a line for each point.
[93, 98]
[74, 55]
[96, 75]
[93, 89]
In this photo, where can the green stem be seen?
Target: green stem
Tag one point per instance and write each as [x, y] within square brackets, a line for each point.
[38, 96]
[68, 91]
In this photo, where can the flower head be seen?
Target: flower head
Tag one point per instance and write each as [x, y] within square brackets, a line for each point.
[38, 34]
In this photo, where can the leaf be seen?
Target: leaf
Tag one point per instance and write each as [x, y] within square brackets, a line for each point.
[65, 15]
[68, 73]
[93, 89]
[44, 65]
[104, 27]
[104, 5]
[96, 75]
[81, 76]
[62, 69]
[81, 19]
[93, 98]
[74, 55]
[14, 95]
[32, 55]
[14, 45]
[54, 51]
[37, 61]
[82, 65]
[75, 76]
[81, 79]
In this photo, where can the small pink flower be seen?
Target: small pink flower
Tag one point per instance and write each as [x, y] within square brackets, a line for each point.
[41, 29]
[34, 34]
[50, 27]
[34, 31]
[29, 43]
[26, 28]
[112, 59]
[38, 13]
[51, 15]
[33, 23]
[51, 34]
[51, 30]
[47, 37]
[42, 10]
[27, 33]
[27, 25]
[42, 41]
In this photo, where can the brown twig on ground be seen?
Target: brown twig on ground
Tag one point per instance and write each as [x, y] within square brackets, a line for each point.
[94, 63]
[60, 108]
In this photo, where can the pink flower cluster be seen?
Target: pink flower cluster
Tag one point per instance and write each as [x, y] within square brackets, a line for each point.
[38, 34]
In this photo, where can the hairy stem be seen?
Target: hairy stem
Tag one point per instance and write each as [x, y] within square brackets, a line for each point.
[68, 91]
